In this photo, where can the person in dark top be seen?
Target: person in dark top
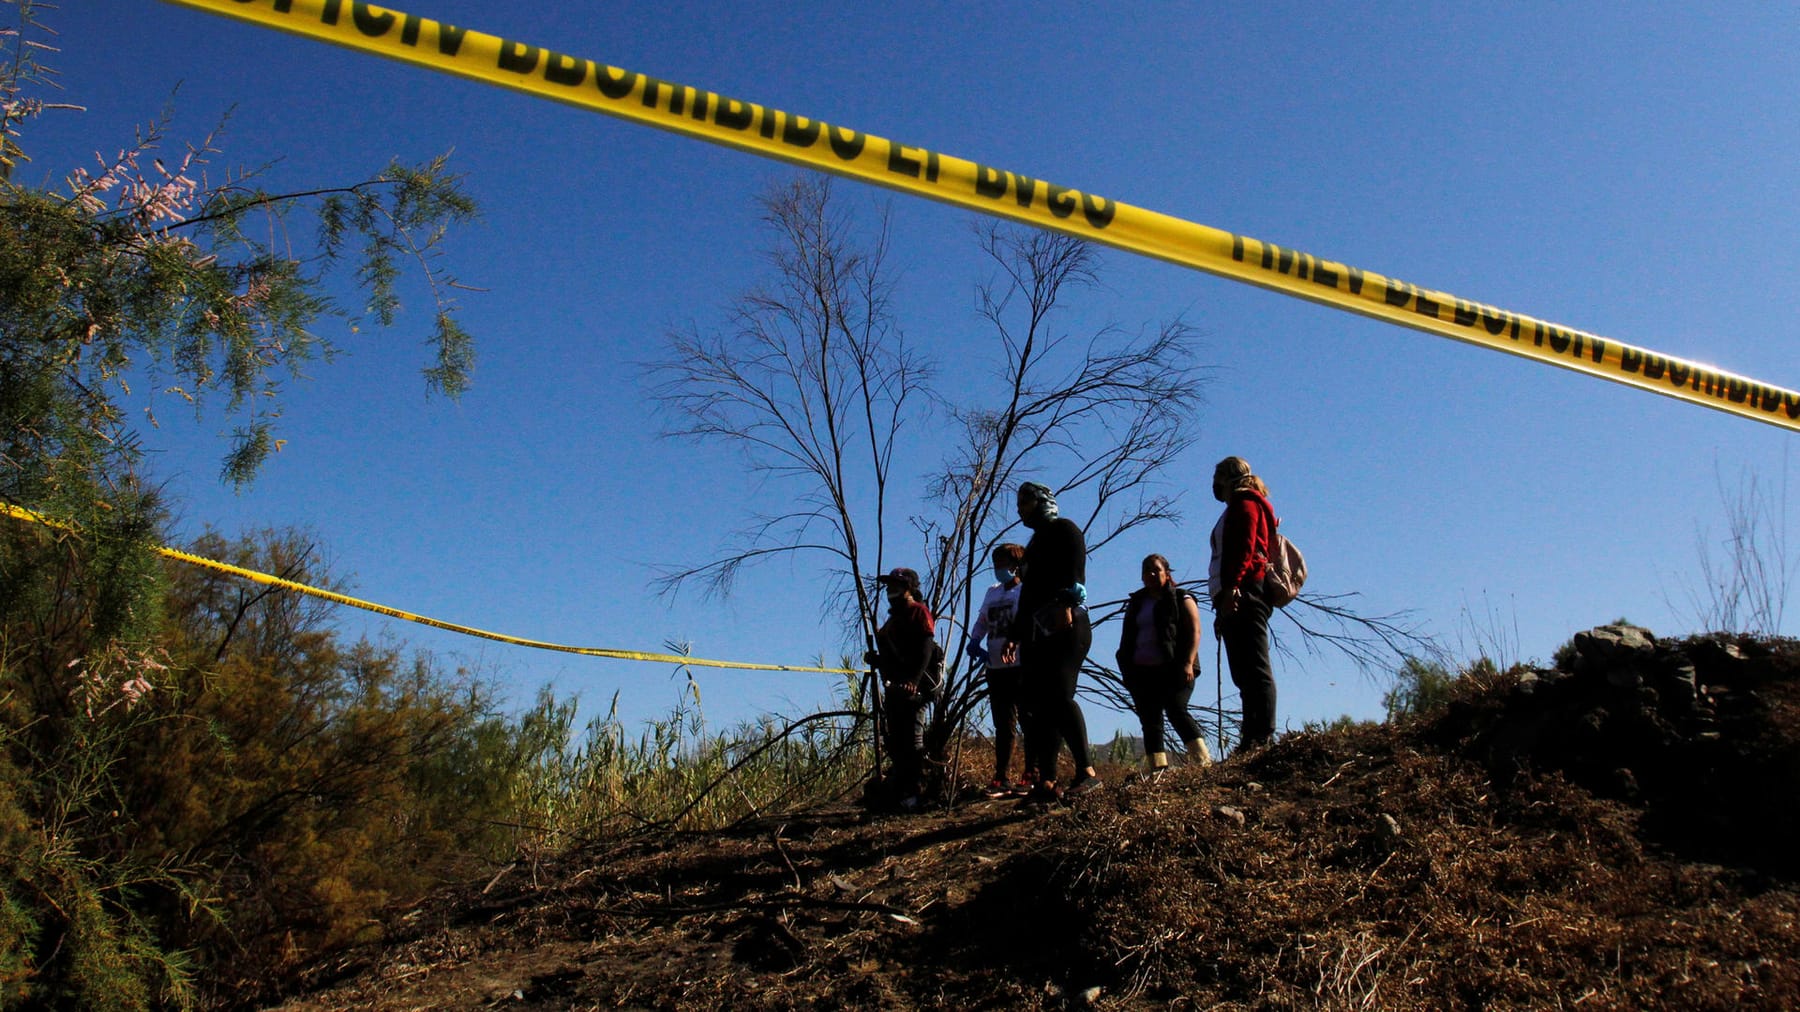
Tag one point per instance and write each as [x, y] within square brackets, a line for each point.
[906, 655]
[1053, 634]
[1159, 655]
[1240, 560]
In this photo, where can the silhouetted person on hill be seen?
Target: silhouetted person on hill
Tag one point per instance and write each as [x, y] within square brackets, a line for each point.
[906, 654]
[989, 644]
[1053, 634]
[1159, 655]
[1240, 560]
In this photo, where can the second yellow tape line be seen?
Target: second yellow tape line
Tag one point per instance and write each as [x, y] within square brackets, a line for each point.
[31, 516]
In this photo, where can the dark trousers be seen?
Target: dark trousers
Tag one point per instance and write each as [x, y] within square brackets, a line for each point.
[1156, 692]
[1246, 635]
[905, 714]
[1052, 665]
[1004, 686]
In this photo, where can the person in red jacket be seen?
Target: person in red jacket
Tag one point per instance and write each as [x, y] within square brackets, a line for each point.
[1240, 560]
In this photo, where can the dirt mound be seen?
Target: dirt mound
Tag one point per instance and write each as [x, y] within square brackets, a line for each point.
[1700, 734]
[1612, 835]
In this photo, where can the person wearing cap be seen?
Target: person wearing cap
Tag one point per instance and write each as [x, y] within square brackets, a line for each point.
[1053, 634]
[904, 654]
[1240, 561]
[989, 646]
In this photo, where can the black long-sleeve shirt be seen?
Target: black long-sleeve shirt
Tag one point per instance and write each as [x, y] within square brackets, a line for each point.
[1055, 561]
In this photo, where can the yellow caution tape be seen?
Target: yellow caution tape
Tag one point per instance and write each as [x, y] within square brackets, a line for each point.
[819, 145]
[30, 516]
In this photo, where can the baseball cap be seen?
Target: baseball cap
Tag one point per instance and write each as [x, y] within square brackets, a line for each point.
[900, 576]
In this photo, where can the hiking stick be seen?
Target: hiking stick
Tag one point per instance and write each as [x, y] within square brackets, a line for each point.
[874, 696]
[1219, 682]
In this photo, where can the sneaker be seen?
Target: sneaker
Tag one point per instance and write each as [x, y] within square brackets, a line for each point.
[1043, 794]
[909, 804]
[1025, 784]
[1083, 785]
[997, 788]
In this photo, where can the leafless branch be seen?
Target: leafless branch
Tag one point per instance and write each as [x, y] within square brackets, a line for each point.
[812, 380]
[1375, 644]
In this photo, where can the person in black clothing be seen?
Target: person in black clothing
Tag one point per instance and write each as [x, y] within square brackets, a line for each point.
[1240, 563]
[909, 661]
[1159, 654]
[1052, 630]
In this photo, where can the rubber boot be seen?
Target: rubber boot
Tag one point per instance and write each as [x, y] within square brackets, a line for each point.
[1198, 753]
[1157, 761]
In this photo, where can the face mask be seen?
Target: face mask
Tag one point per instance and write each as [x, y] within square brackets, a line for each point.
[1002, 575]
[1035, 513]
[1037, 505]
[896, 598]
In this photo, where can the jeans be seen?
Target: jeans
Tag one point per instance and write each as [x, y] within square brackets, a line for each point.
[1157, 691]
[905, 715]
[1004, 687]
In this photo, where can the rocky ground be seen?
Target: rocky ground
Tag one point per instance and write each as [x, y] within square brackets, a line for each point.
[1622, 832]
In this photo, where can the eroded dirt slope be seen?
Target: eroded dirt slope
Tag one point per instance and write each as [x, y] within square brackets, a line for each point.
[1618, 835]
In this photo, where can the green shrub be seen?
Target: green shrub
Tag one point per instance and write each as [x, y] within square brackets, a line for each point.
[236, 791]
[1419, 688]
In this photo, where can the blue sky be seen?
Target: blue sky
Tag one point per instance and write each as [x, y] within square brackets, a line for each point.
[1629, 171]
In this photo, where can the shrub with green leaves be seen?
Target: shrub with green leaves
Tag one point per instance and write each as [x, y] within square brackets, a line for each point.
[1419, 687]
[131, 271]
[202, 785]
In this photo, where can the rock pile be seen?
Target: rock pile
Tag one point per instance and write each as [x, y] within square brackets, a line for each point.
[1686, 729]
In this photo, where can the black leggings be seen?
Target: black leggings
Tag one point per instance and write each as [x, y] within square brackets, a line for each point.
[1052, 666]
[1156, 691]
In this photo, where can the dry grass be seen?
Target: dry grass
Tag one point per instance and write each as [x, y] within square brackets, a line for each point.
[1416, 867]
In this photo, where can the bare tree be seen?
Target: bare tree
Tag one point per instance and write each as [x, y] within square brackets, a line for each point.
[811, 379]
[814, 380]
[1103, 414]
